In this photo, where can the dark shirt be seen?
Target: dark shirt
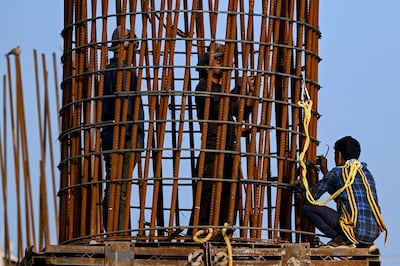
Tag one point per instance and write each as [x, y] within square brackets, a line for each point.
[213, 115]
[108, 112]
[214, 111]
[367, 229]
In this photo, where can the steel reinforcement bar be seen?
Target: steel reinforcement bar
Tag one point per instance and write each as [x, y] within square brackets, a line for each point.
[272, 43]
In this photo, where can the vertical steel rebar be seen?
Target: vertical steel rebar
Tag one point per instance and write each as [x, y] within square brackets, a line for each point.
[262, 170]
[3, 165]
[22, 139]
[14, 134]
[44, 217]
[51, 148]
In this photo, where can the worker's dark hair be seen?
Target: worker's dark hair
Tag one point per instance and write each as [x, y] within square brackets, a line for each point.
[349, 147]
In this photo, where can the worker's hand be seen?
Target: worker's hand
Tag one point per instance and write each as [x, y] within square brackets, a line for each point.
[251, 84]
[323, 164]
[298, 182]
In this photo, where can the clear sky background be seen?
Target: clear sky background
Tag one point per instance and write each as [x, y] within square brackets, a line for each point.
[358, 74]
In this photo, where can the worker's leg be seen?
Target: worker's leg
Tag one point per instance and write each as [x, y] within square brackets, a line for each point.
[226, 193]
[323, 218]
[124, 201]
[107, 162]
[206, 190]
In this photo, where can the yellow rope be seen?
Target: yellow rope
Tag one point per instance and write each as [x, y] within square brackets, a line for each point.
[209, 232]
[228, 243]
[349, 220]
[306, 105]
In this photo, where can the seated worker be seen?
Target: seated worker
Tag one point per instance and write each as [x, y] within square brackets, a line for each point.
[357, 220]
[204, 69]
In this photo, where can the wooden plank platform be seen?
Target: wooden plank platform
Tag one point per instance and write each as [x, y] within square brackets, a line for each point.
[190, 253]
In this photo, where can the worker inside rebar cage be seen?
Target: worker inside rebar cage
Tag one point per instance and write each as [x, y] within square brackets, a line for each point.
[215, 191]
[123, 134]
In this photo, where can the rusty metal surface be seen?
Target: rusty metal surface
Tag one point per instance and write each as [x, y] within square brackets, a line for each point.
[296, 254]
[119, 253]
[347, 256]
[274, 43]
[345, 262]
[129, 253]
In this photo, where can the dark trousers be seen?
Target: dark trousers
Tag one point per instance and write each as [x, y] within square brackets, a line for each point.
[206, 193]
[126, 175]
[323, 218]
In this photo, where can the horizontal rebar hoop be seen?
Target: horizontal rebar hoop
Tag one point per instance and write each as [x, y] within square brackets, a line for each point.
[274, 43]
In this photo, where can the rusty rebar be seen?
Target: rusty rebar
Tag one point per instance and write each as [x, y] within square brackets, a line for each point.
[15, 157]
[21, 142]
[3, 165]
[263, 168]
[44, 217]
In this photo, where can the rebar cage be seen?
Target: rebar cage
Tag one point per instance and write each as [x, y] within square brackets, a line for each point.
[275, 43]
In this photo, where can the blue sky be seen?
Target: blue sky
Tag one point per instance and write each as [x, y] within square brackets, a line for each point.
[358, 74]
[359, 95]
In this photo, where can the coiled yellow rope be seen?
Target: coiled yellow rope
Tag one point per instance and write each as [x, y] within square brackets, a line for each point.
[209, 232]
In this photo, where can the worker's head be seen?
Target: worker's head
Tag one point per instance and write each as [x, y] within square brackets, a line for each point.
[347, 148]
[118, 38]
[204, 61]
